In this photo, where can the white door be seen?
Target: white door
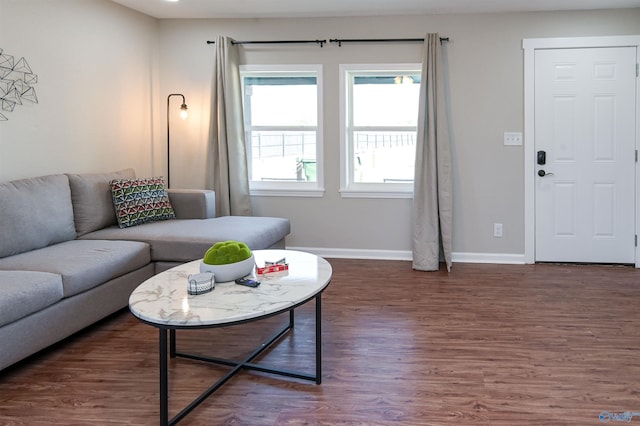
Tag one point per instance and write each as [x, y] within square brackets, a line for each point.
[585, 125]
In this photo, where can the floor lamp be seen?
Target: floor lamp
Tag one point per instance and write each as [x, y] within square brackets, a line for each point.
[183, 115]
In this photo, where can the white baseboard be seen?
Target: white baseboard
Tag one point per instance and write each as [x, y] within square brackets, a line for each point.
[502, 258]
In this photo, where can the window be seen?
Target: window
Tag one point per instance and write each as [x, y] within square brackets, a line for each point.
[282, 107]
[379, 125]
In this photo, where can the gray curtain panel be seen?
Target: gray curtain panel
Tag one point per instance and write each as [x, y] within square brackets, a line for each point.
[227, 151]
[432, 198]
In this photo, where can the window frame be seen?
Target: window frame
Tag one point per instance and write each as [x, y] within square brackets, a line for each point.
[288, 188]
[349, 188]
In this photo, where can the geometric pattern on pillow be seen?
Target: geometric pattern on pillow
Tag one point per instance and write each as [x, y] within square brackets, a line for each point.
[138, 201]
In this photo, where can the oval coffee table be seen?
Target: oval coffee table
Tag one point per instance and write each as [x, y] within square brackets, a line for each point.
[163, 302]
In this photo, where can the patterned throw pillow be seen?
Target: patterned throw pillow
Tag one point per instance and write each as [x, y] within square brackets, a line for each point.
[141, 200]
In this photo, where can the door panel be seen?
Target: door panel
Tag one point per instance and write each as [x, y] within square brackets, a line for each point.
[585, 121]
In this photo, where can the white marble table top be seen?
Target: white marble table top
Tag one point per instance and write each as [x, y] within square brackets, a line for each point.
[163, 299]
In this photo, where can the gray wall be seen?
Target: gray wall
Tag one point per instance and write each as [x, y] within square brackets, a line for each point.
[95, 66]
[485, 69]
[105, 71]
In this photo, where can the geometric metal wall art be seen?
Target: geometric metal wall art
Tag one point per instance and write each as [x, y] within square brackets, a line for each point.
[16, 83]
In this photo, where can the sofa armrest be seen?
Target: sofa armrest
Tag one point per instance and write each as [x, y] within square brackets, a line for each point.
[193, 203]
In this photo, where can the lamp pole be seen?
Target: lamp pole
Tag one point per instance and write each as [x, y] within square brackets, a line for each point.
[183, 115]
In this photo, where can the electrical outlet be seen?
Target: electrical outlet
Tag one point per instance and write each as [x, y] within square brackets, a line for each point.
[513, 138]
[497, 230]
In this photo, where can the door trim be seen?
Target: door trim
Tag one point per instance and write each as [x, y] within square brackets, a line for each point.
[530, 46]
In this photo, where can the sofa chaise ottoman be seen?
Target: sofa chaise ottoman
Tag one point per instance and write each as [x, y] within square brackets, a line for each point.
[65, 263]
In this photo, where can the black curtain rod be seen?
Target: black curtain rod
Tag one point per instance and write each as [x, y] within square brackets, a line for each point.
[335, 40]
[381, 40]
[320, 42]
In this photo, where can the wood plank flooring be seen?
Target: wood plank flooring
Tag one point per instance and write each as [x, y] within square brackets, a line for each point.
[482, 345]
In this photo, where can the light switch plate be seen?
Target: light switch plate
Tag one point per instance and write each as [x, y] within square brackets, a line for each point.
[513, 138]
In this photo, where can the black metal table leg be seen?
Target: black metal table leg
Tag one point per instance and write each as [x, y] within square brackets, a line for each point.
[168, 348]
[164, 379]
[172, 343]
[318, 339]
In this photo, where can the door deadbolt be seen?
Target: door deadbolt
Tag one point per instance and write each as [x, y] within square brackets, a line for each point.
[541, 158]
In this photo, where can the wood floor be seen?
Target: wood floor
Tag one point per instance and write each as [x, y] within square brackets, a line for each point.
[482, 345]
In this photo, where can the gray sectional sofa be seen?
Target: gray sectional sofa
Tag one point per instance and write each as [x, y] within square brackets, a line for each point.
[65, 263]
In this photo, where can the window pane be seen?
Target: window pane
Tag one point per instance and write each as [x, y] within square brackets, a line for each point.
[380, 101]
[381, 120]
[283, 155]
[281, 125]
[282, 104]
[383, 157]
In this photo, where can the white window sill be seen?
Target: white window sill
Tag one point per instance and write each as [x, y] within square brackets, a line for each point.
[315, 193]
[351, 193]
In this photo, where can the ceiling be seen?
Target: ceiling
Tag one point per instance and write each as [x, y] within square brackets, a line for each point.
[188, 9]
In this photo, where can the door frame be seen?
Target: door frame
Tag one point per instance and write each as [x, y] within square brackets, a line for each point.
[530, 46]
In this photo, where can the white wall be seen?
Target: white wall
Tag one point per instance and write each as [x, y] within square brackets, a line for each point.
[95, 65]
[485, 68]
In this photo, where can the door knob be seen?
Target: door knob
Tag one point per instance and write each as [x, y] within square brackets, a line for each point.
[542, 173]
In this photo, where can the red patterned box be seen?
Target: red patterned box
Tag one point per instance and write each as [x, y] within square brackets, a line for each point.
[272, 268]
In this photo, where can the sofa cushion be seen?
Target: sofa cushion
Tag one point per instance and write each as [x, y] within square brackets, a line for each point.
[83, 264]
[138, 201]
[25, 292]
[92, 201]
[182, 240]
[35, 213]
